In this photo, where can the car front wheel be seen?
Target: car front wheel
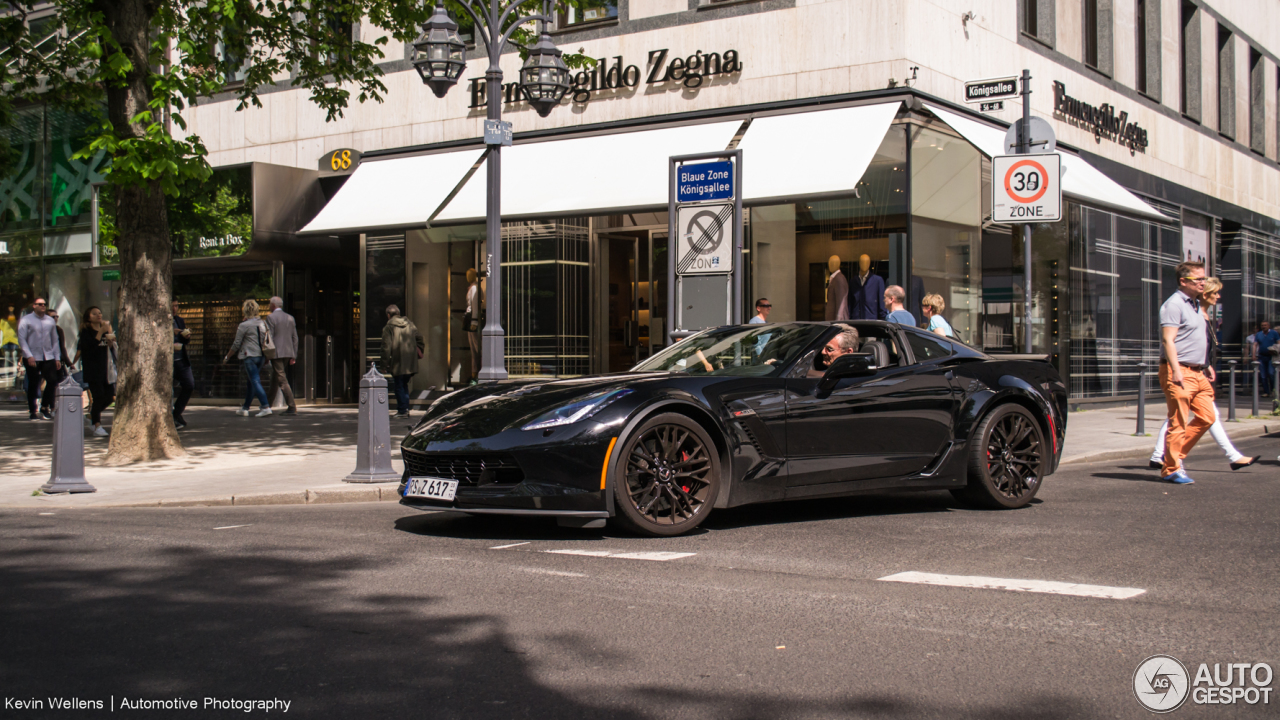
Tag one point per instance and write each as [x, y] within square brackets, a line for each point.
[1005, 459]
[667, 477]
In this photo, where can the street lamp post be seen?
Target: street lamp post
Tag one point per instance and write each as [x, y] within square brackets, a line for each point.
[544, 80]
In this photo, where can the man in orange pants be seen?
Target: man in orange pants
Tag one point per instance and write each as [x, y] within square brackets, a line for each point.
[1184, 375]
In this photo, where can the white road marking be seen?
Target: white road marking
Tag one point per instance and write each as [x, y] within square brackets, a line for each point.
[45, 513]
[229, 527]
[540, 571]
[657, 556]
[1037, 586]
[504, 547]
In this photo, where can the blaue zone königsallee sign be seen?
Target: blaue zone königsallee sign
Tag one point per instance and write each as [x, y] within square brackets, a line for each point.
[662, 67]
[704, 181]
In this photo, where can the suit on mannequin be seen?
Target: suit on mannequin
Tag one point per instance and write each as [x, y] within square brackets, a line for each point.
[866, 293]
[837, 291]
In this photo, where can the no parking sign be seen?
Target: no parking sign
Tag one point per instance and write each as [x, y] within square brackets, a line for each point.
[1026, 188]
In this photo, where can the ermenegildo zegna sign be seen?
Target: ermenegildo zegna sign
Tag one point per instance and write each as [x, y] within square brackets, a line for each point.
[1103, 121]
[687, 71]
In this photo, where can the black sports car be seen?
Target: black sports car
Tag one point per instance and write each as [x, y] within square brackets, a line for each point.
[745, 414]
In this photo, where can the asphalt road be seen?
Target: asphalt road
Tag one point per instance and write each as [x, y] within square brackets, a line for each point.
[376, 610]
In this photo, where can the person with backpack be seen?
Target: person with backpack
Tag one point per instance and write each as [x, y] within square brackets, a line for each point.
[402, 347]
[252, 343]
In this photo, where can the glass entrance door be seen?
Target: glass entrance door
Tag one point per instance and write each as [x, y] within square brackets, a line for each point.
[637, 296]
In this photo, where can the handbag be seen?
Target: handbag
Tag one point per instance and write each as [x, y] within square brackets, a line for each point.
[268, 344]
[112, 376]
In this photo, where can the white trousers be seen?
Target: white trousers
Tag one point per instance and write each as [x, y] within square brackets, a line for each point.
[1218, 431]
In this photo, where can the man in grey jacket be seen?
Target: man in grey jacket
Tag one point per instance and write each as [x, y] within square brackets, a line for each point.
[284, 333]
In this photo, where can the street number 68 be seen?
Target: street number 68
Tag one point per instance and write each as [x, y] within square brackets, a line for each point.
[340, 160]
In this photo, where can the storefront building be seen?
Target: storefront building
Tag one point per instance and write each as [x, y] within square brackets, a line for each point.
[856, 140]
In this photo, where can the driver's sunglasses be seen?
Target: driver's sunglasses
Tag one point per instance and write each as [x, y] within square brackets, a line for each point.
[1195, 279]
[764, 306]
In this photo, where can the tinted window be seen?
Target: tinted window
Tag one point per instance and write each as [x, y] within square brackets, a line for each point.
[926, 347]
[742, 350]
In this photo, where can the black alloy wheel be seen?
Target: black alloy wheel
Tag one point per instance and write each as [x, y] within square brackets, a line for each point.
[667, 476]
[1006, 459]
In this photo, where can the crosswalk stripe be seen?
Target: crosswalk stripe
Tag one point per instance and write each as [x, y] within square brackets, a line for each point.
[658, 556]
[1036, 586]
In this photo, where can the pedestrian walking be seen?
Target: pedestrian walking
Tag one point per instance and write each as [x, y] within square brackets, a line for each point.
[402, 347]
[284, 332]
[473, 321]
[182, 373]
[931, 308]
[1185, 376]
[42, 354]
[94, 350]
[1208, 300]
[895, 299]
[250, 339]
[1263, 342]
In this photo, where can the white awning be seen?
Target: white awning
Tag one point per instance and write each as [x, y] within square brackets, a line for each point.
[588, 175]
[812, 153]
[398, 193]
[1079, 179]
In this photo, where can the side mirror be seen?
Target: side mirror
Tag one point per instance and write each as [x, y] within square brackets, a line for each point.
[846, 366]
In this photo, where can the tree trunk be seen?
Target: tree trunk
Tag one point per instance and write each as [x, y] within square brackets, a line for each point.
[143, 426]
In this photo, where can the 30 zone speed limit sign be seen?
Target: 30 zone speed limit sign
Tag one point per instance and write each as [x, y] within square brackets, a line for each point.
[1026, 188]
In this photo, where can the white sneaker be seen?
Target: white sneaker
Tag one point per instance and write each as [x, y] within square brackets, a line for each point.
[100, 431]
[263, 412]
[242, 412]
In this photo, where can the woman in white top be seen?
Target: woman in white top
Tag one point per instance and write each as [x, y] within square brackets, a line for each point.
[249, 341]
[931, 307]
[473, 312]
[1209, 299]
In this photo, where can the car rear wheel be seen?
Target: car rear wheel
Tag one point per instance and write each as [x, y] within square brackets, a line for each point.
[1005, 459]
[667, 477]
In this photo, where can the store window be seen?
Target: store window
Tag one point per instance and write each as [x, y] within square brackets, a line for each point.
[946, 219]
[211, 305]
[1121, 272]
[384, 285]
[546, 304]
[1249, 264]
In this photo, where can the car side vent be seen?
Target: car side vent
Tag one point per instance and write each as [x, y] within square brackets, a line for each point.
[472, 470]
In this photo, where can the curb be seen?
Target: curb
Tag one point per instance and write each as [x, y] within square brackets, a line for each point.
[326, 496]
[1243, 433]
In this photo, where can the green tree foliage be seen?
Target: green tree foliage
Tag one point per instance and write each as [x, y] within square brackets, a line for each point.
[137, 65]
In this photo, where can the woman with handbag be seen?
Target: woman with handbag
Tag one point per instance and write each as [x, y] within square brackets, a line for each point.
[94, 349]
[250, 342]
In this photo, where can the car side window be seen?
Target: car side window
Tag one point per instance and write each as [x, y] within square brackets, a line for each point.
[926, 348]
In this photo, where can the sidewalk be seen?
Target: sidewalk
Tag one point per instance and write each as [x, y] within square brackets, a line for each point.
[281, 460]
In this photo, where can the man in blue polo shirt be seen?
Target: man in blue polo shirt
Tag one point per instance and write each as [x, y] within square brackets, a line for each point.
[1262, 342]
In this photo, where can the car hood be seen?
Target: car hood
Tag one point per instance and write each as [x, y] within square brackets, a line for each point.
[487, 410]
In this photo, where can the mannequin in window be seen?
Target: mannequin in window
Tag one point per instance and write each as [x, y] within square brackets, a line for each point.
[474, 318]
[866, 293]
[837, 291]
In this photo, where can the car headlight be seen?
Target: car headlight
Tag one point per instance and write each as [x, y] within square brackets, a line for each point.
[577, 410]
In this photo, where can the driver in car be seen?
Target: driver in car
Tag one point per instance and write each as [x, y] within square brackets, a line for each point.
[843, 344]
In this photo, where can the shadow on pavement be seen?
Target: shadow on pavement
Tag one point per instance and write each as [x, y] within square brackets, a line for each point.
[341, 638]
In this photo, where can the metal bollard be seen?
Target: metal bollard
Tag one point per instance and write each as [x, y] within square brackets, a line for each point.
[1142, 401]
[373, 440]
[1256, 379]
[1231, 399]
[67, 475]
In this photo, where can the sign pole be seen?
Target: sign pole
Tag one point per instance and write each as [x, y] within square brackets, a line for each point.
[739, 259]
[1024, 147]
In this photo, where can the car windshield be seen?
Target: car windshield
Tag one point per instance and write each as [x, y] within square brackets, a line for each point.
[741, 350]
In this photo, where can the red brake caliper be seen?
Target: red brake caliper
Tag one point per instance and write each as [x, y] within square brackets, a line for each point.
[685, 458]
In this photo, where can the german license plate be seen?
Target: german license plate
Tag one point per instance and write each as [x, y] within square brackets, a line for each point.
[432, 488]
